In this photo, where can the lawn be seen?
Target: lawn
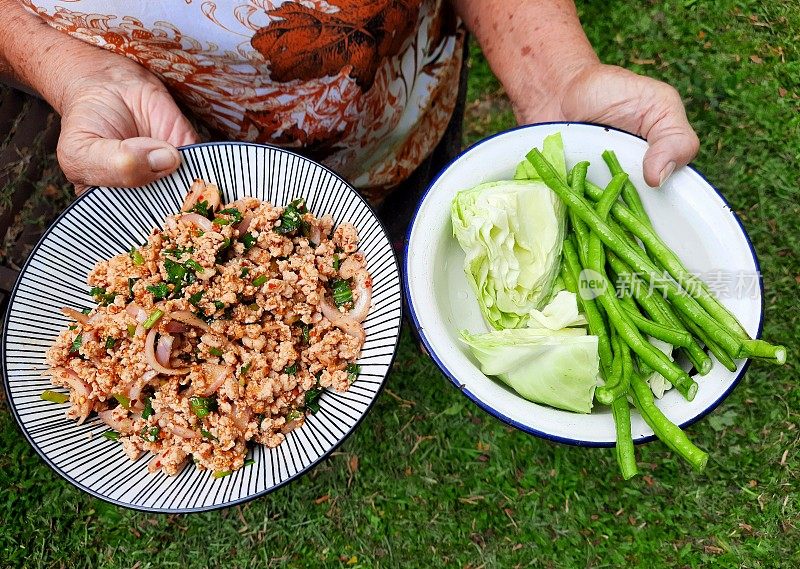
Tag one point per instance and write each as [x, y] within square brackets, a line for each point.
[428, 480]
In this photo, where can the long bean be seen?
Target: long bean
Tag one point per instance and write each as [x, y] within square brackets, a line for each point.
[660, 311]
[630, 255]
[673, 265]
[614, 387]
[669, 433]
[670, 335]
[578, 181]
[654, 357]
[626, 456]
[629, 193]
[721, 355]
[597, 324]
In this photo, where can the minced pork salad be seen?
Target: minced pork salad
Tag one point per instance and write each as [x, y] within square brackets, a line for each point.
[221, 330]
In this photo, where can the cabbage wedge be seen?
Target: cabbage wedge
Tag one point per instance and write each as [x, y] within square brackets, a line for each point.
[556, 368]
[512, 232]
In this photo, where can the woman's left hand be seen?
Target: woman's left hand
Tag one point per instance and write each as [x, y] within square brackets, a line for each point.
[614, 96]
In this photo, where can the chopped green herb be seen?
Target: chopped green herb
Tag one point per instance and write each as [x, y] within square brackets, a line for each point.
[101, 296]
[122, 400]
[293, 415]
[291, 370]
[312, 399]
[159, 291]
[336, 262]
[291, 220]
[259, 280]
[248, 239]
[175, 271]
[215, 352]
[179, 252]
[193, 265]
[305, 333]
[86, 311]
[208, 435]
[245, 272]
[225, 243]
[352, 372]
[131, 330]
[76, 344]
[221, 473]
[202, 208]
[150, 433]
[228, 216]
[219, 305]
[54, 396]
[73, 327]
[111, 435]
[136, 256]
[195, 298]
[152, 319]
[110, 343]
[202, 406]
[341, 292]
[253, 306]
[148, 408]
[244, 369]
[248, 462]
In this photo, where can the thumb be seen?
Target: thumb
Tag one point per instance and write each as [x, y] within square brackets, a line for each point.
[121, 163]
[673, 144]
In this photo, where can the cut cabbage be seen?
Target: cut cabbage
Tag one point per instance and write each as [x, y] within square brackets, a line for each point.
[556, 368]
[658, 383]
[561, 312]
[512, 232]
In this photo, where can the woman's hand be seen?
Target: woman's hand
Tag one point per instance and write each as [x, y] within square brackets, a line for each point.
[539, 52]
[120, 127]
[617, 97]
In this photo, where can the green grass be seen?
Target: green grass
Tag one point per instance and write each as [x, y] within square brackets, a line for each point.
[428, 480]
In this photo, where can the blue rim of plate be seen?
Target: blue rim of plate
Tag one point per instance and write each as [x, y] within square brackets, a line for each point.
[232, 503]
[486, 406]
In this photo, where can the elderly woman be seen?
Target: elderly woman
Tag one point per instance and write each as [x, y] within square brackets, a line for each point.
[368, 87]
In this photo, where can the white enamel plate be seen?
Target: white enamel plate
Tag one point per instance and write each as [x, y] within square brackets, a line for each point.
[691, 216]
[107, 221]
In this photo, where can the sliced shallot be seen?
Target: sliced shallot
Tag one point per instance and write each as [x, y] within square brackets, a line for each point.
[344, 322]
[79, 396]
[150, 356]
[75, 315]
[216, 374]
[164, 349]
[195, 218]
[188, 318]
[363, 286]
[119, 424]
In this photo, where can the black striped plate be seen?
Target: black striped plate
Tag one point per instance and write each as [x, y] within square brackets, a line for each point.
[106, 221]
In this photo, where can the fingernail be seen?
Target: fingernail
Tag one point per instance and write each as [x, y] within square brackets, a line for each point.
[666, 173]
[161, 159]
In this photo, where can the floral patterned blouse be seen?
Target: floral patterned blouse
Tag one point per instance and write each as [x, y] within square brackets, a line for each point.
[365, 86]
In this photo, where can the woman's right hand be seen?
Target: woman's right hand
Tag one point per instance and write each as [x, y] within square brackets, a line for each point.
[119, 126]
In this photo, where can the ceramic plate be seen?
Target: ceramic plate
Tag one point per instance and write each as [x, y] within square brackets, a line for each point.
[106, 221]
[688, 212]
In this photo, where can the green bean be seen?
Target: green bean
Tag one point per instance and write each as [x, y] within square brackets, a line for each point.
[649, 353]
[626, 457]
[762, 349]
[629, 192]
[660, 311]
[721, 355]
[670, 335]
[610, 194]
[597, 324]
[669, 433]
[618, 382]
[673, 265]
[578, 177]
[629, 254]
